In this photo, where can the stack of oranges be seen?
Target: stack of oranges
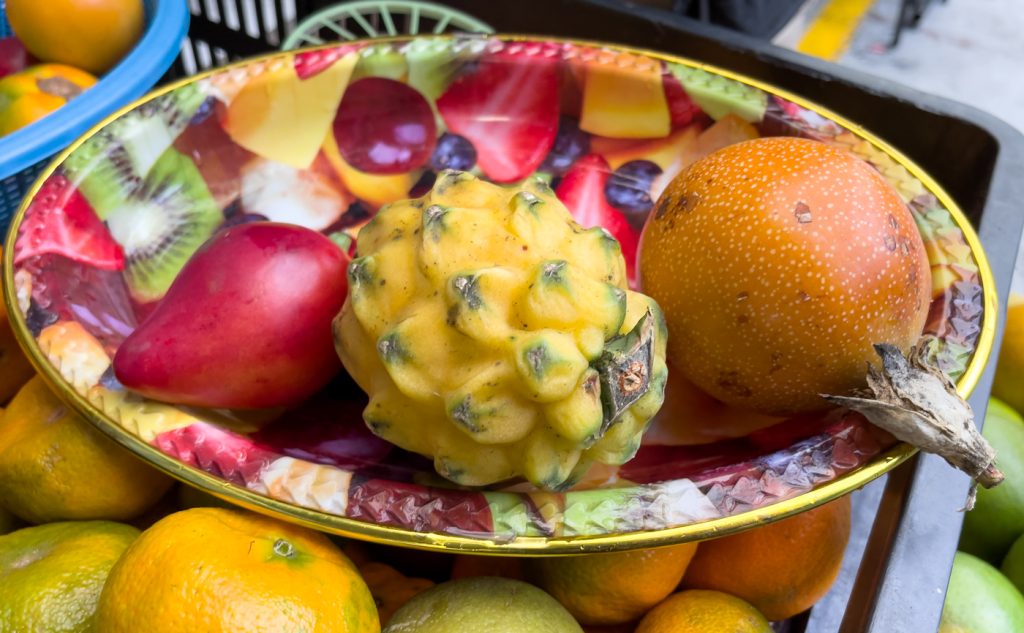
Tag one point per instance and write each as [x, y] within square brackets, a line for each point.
[197, 565]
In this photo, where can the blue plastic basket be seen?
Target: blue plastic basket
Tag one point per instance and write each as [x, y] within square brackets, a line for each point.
[24, 153]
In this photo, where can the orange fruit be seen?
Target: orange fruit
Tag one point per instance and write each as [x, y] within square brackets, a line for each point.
[390, 589]
[51, 575]
[1008, 384]
[217, 570]
[779, 263]
[357, 552]
[612, 588]
[781, 568]
[55, 466]
[90, 34]
[501, 566]
[31, 94]
[699, 611]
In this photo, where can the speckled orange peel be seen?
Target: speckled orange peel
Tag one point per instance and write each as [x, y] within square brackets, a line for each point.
[778, 263]
[916, 402]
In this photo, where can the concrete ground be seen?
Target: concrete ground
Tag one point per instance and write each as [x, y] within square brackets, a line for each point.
[967, 50]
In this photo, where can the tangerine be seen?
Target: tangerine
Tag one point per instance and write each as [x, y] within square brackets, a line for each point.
[700, 611]
[218, 570]
[612, 588]
[781, 568]
[55, 466]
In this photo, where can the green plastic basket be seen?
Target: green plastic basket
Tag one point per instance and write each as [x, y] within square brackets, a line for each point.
[376, 18]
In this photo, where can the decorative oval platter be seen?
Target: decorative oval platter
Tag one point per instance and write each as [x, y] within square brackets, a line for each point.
[323, 138]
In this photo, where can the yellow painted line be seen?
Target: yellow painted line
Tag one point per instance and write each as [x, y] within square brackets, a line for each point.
[830, 33]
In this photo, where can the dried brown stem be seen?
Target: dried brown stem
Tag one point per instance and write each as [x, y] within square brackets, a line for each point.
[918, 404]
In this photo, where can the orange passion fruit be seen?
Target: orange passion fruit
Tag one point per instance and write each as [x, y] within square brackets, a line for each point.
[779, 262]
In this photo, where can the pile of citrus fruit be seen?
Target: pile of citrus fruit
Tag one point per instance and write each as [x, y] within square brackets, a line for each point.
[59, 49]
[92, 539]
[98, 541]
[985, 588]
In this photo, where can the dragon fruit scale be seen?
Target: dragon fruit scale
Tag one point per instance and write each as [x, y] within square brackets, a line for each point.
[497, 336]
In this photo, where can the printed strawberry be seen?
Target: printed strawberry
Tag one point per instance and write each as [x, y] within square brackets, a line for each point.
[326, 429]
[227, 455]
[795, 120]
[681, 108]
[314, 62]
[582, 190]
[420, 508]
[61, 221]
[508, 109]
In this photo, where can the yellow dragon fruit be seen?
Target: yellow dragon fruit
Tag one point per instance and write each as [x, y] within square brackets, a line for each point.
[497, 336]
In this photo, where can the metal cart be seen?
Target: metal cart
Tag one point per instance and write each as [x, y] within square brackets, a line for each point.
[906, 527]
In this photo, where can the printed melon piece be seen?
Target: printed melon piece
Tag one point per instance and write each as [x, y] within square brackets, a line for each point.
[381, 61]
[432, 63]
[719, 96]
[373, 189]
[75, 353]
[284, 118]
[726, 131]
[623, 97]
[680, 145]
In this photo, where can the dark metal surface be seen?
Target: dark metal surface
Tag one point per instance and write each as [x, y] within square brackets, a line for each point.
[901, 580]
[898, 563]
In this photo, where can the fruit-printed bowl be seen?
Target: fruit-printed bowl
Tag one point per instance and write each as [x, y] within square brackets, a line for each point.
[324, 137]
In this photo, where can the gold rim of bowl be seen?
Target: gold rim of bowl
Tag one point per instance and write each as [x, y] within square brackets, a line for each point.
[520, 546]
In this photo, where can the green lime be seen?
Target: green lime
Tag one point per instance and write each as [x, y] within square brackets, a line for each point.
[51, 575]
[980, 599]
[1013, 564]
[484, 603]
[998, 518]
[7, 521]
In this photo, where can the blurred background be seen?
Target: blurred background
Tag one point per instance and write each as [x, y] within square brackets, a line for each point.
[966, 50]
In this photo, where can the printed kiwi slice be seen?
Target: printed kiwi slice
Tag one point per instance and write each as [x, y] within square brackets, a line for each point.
[718, 96]
[162, 223]
[111, 165]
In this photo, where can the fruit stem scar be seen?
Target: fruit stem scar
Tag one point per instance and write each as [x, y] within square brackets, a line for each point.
[625, 368]
[802, 213]
[553, 271]
[58, 87]
[633, 378]
[468, 286]
[284, 548]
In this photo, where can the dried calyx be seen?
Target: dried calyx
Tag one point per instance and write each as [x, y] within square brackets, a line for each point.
[918, 404]
[625, 369]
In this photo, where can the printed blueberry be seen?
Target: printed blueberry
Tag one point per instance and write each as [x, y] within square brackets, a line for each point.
[453, 152]
[629, 188]
[570, 144]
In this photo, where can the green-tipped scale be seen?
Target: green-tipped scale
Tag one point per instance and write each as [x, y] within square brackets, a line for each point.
[498, 337]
